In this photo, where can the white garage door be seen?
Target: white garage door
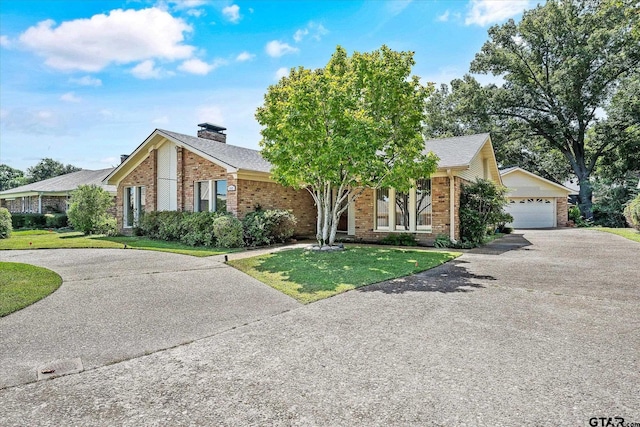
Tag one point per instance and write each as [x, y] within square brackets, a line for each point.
[532, 213]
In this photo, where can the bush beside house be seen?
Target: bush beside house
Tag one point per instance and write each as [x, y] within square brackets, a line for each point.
[482, 206]
[5, 223]
[88, 210]
[632, 213]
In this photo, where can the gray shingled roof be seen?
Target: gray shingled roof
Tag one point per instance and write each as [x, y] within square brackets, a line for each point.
[66, 182]
[456, 151]
[237, 157]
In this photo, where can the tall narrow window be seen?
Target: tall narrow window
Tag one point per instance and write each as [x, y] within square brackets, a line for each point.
[129, 204]
[402, 211]
[423, 204]
[202, 196]
[133, 204]
[221, 196]
[382, 208]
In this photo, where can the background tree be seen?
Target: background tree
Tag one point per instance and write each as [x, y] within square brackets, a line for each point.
[10, 177]
[464, 109]
[48, 168]
[352, 124]
[88, 210]
[561, 64]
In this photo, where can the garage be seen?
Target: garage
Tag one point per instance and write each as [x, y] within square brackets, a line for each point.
[534, 202]
[532, 213]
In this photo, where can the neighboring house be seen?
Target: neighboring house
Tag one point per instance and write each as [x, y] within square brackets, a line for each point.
[535, 202]
[51, 195]
[173, 171]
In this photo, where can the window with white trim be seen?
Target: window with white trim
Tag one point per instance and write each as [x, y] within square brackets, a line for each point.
[210, 196]
[411, 211]
[134, 203]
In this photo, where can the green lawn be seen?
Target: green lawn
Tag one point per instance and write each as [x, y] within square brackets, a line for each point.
[23, 284]
[45, 239]
[629, 233]
[309, 276]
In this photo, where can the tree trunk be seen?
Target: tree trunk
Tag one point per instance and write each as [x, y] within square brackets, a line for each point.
[585, 198]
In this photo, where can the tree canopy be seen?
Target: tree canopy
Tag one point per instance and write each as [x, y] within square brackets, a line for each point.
[353, 124]
[10, 177]
[561, 66]
[48, 168]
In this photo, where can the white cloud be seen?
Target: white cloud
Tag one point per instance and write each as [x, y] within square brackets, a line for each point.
[4, 41]
[276, 49]
[245, 56]
[197, 66]
[396, 7]
[232, 13]
[186, 4]
[86, 81]
[317, 31]
[121, 37]
[485, 12]
[163, 120]
[70, 97]
[282, 72]
[444, 17]
[146, 70]
[211, 114]
[196, 13]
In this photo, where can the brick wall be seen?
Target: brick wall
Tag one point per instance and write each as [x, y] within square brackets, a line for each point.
[440, 221]
[270, 195]
[142, 176]
[193, 168]
[50, 204]
[562, 211]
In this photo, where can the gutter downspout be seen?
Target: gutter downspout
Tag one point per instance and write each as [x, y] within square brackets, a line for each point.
[452, 206]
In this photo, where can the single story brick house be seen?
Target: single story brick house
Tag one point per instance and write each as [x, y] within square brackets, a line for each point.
[52, 195]
[535, 202]
[173, 171]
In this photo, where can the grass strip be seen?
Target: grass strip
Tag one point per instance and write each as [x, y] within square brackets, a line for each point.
[310, 276]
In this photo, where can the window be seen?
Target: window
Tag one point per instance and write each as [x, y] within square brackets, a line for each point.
[423, 204]
[134, 202]
[411, 211]
[203, 200]
[382, 208]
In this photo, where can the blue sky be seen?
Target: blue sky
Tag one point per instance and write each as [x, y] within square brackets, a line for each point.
[85, 81]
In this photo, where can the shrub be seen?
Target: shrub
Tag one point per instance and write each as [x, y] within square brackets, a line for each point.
[632, 213]
[88, 210]
[442, 241]
[481, 208]
[228, 231]
[399, 239]
[170, 225]
[56, 220]
[5, 223]
[265, 227]
[28, 220]
[197, 228]
[576, 216]
[610, 199]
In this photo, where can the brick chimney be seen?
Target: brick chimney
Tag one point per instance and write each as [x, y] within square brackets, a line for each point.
[213, 132]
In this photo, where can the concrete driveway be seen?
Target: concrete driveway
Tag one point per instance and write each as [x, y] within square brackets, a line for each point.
[115, 304]
[543, 334]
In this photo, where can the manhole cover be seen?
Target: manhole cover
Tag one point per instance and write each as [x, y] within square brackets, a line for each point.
[59, 367]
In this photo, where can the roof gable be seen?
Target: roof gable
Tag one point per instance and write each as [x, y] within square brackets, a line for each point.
[456, 152]
[522, 181]
[230, 157]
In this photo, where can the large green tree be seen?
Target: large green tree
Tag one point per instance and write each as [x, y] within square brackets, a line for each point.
[48, 168]
[10, 177]
[351, 125]
[561, 65]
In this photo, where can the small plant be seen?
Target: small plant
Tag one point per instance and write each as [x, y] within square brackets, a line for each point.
[399, 239]
[442, 241]
[5, 223]
[577, 218]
